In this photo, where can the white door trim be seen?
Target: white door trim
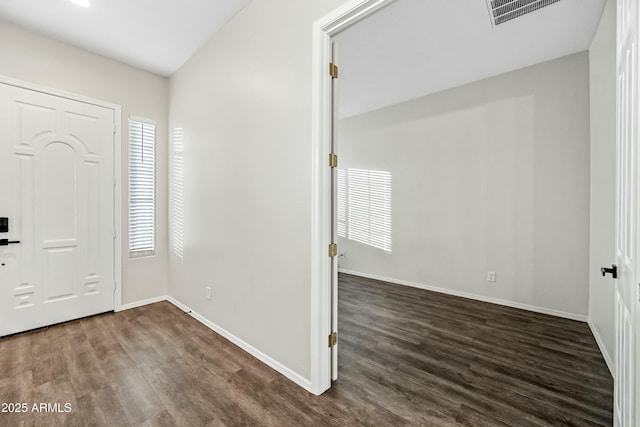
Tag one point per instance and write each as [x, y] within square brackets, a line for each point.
[117, 165]
[323, 29]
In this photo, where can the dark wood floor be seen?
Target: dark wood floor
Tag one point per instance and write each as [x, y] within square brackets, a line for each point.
[407, 357]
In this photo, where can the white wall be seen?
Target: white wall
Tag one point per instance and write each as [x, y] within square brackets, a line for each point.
[29, 57]
[490, 176]
[244, 101]
[602, 65]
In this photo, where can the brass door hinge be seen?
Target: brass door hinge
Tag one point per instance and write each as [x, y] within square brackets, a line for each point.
[333, 250]
[333, 339]
[333, 160]
[333, 70]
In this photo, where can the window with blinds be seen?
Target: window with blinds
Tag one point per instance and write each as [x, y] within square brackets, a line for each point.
[142, 141]
[369, 207]
[177, 221]
[342, 203]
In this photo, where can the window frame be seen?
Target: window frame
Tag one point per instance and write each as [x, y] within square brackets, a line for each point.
[146, 252]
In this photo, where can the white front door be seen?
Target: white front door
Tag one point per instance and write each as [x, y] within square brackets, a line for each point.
[626, 212]
[57, 191]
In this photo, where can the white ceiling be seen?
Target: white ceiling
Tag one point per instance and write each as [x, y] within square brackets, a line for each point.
[414, 48]
[408, 49]
[155, 35]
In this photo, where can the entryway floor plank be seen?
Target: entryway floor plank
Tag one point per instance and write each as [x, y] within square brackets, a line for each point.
[407, 357]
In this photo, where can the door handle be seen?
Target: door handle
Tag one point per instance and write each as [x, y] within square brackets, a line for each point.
[613, 271]
[6, 242]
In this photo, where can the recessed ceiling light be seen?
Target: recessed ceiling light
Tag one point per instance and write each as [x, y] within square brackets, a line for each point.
[81, 3]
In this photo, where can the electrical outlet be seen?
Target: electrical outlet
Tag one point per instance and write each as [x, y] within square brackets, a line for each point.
[491, 276]
[208, 293]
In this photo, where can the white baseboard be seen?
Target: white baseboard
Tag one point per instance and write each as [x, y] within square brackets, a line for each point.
[513, 304]
[269, 361]
[603, 349]
[143, 302]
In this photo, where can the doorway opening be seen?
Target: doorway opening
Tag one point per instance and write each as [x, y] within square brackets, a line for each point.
[374, 224]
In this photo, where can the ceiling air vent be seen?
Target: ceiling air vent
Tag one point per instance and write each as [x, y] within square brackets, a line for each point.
[502, 11]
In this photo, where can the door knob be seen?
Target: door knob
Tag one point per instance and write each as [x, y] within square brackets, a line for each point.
[6, 242]
[613, 271]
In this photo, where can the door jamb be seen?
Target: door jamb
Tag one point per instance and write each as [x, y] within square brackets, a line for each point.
[117, 168]
[323, 29]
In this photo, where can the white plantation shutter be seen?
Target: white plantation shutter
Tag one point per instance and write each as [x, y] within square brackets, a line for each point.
[178, 192]
[142, 141]
[342, 203]
[370, 208]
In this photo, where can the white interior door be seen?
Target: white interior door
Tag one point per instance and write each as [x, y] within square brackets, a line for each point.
[626, 212]
[57, 175]
[334, 213]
